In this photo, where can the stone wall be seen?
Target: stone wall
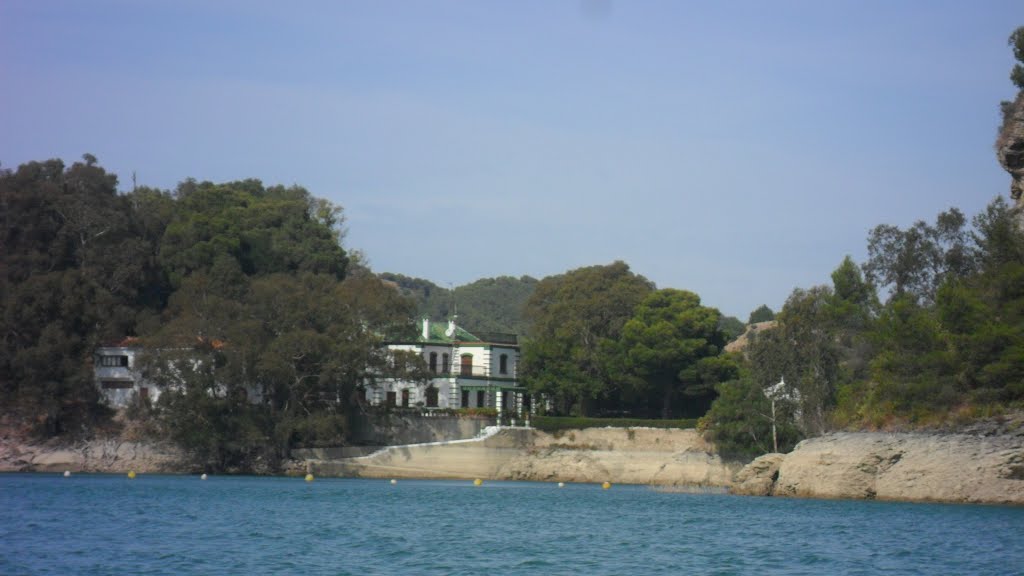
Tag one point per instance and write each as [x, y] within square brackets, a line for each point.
[399, 427]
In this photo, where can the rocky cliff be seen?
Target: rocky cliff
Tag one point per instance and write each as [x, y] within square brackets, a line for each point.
[1010, 146]
[965, 467]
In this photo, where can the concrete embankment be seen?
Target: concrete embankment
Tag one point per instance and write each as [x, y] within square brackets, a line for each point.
[633, 456]
[907, 466]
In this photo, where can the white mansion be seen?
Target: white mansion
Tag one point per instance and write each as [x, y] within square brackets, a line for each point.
[470, 371]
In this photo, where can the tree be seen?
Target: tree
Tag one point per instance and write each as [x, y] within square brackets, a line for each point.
[731, 327]
[671, 344]
[917, 260]
[761, 314]
[739, 421]
[1016, 41]
[802, 349]
[573, 316]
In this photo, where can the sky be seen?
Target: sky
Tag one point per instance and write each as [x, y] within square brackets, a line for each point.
[735, 149]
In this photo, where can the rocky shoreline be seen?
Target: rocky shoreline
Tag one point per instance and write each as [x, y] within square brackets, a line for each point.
[915, 467]
[108, 455]
[984, 465]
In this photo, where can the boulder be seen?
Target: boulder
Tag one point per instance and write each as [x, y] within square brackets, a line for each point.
[758, 477]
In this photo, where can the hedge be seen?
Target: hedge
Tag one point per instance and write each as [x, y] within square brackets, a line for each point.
[555, 423]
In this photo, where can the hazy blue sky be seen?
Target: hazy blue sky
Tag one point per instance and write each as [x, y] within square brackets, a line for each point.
[736, 149]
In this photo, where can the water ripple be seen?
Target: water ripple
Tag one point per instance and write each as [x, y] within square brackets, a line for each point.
[96, 524]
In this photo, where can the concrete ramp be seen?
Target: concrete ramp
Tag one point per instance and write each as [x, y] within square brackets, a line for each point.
[479, 457]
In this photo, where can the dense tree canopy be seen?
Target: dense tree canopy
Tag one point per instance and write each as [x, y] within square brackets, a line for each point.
[672, 345]
[235, 289]
[761, 314]
[573, 318]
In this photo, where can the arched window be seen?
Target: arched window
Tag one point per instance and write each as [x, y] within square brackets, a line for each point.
[433, 361]
[467, 365]
[503, 364]
[445, 361]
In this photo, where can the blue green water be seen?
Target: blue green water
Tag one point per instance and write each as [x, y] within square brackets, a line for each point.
[99, 524]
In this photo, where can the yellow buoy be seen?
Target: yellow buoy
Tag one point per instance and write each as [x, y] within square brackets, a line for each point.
[131, 475]
[477, 482]
[606, 485]
[309, 477]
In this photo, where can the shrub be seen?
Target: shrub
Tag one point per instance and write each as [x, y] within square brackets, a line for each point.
[555, 424]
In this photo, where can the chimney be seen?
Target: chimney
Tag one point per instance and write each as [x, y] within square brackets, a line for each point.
[426, 329]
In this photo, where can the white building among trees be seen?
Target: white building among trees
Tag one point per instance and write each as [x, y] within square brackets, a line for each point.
[465, 371]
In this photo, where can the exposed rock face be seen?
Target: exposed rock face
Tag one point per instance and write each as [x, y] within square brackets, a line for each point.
[631, 456]
[92, 456]
[1010, 148]
[922, 467]
[758, 478]
[741, 342]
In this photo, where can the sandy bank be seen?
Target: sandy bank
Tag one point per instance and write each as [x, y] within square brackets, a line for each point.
[909, 466]
[632, 456]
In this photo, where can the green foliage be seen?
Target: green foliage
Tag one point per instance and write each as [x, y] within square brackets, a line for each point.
[76, 273]
[917, 260]
[761, 314]
[1016, 41]
[964, 347]
[255, 334]
[740, 424]
[731, 327]
[574, 319]
[558, 423]
[671, 345]
[487, 305]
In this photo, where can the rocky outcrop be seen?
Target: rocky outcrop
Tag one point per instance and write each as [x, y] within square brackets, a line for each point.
[1010, 146]
[909, 466]
[104, 455]
[743, 340]
[758, 478]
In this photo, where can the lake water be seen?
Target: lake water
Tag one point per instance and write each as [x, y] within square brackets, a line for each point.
[105, 524]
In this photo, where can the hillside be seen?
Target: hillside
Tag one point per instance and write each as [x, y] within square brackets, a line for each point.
[487, 305]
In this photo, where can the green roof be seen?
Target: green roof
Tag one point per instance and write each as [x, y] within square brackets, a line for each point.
[437, 334]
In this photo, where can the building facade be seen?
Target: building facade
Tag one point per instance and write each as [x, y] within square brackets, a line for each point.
[468, 371]
[115, 369]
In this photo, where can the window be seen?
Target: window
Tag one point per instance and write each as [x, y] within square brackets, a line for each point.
[433, 361]
[392, 399]
[467, 365]
[481, 399]
[405, 398]
[114, 361]
[444, 363]
[431, 397]
[503, 364]
[465, 399]
[116, 384]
